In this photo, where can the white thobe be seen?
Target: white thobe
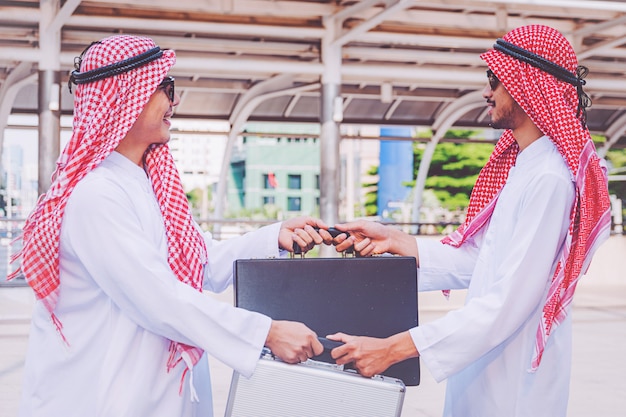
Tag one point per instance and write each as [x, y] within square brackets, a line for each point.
[120, 305]
[484, 349]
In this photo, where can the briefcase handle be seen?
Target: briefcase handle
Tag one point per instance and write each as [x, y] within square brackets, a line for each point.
[326, 343]
[297, 250]
[325, 355]
[329, 344]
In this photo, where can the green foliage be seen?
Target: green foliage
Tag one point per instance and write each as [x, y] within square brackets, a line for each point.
[195, 197]
[371, 195]
[452, 202]
[617, 157]
[454, 168]
[272, 211]
[617, 160]
[598, 139]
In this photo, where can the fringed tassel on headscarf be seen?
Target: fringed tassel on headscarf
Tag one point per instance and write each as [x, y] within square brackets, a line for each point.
[189, 355]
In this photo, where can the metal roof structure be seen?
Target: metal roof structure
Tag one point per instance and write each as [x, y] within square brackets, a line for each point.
[393, 62]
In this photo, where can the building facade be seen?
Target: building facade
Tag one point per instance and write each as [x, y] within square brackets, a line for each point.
[275, 174]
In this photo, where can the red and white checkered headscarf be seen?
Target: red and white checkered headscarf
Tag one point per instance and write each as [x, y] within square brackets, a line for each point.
[104, 112]
[552, 105]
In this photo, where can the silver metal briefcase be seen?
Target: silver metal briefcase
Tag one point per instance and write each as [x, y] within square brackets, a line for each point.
[312, 389]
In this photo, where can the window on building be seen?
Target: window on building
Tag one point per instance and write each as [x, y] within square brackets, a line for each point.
[294, 181]
[317, 181]
[293, 204]
[269, 181]
[269, 200]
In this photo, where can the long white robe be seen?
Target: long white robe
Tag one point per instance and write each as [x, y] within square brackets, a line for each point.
[484, 349]
[120, 305]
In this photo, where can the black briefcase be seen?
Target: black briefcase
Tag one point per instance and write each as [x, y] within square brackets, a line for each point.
[369, 296]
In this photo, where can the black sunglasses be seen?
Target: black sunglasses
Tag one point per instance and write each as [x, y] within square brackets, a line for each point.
[167, 85]
[493, 80]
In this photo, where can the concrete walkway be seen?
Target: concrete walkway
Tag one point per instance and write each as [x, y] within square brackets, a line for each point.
[598, 385]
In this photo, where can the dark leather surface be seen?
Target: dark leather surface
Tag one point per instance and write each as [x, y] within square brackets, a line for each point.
[373, 296]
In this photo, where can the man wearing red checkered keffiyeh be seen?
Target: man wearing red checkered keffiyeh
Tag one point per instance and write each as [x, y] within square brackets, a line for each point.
[118, 265]
[538, 211]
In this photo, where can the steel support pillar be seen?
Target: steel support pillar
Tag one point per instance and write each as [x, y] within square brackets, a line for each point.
[49, 92]
[49, 127]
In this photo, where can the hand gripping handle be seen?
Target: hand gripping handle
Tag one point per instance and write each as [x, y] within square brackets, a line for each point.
[297, 250]
[328, 346]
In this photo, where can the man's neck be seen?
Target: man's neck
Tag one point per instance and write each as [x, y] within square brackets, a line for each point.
[526, 135]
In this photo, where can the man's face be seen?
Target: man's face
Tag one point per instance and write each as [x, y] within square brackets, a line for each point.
[505, 113]
[153, 124]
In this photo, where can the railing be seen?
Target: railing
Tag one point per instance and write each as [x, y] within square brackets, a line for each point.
[11, 228]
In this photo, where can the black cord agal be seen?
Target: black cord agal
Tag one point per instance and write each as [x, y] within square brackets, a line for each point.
[574, 78]
[117, 68]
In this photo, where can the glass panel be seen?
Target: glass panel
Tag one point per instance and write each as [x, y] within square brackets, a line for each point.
[293, 203]
[294, 181]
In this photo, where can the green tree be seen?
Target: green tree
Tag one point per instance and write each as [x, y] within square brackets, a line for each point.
[617, 163]
[371, 194]
[195, 199]
[617, 160]
[454, 168]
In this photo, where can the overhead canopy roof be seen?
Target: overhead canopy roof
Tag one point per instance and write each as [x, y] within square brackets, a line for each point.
[403, 62]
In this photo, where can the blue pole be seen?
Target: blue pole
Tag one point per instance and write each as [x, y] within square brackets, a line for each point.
[396, 167]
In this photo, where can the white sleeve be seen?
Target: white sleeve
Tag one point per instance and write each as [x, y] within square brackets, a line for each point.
[261, 243]
[490, 318]
[119, 251]
[444, 267]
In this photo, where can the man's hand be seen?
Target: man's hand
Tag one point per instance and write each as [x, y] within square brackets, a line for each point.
[372, 356]
[372, 238]
[293, 342]
[305, 231]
